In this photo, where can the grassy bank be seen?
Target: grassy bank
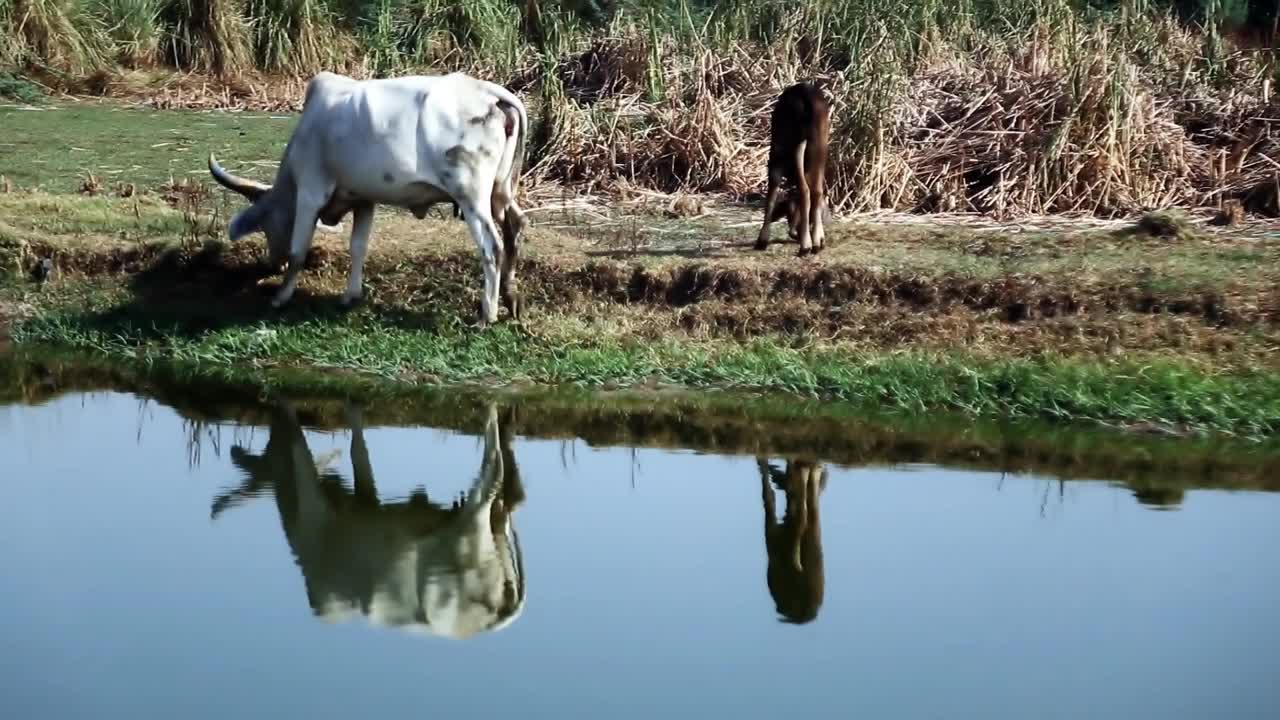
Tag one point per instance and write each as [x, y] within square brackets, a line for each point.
[112, 242]
[1158, 470]
[1006, 107]
[1160, 333]
[1168, 393]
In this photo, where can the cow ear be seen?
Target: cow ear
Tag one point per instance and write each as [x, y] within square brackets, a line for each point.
[245, 222]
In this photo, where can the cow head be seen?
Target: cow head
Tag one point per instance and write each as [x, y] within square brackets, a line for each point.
[271, 212]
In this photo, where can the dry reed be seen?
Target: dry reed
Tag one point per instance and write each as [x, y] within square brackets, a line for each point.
[1005, 108]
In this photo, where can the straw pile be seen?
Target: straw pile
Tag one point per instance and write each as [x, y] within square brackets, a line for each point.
[1019, 133]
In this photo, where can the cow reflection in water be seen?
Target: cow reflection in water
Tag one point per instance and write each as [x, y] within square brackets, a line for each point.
[794, 545]
[452, 570]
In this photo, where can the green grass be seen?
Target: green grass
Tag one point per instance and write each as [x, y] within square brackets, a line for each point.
[55, 148]
[1241, 403]
[19, 89]
[127, 219]
[723, 423]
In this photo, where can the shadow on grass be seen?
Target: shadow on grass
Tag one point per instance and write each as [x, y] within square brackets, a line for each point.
[191, 294]
[726, 250]
[628, 254]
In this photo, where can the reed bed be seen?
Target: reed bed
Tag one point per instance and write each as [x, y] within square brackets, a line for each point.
[1004, 107]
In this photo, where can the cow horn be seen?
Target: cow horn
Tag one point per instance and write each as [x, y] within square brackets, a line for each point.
[248, 188]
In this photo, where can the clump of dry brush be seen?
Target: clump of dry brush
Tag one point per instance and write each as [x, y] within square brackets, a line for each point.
[1081, 117]
[613, 118]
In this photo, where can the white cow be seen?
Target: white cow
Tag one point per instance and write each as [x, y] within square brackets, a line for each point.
[409, 142]
[452, 569]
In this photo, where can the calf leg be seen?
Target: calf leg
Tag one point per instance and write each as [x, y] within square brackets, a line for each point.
[361, 226]
[770, 512]
[819, 185]
[770, 199]
[793, 218]
[803, 204]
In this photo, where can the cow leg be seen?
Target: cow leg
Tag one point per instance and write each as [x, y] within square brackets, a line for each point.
[366, 490]
[480, 222]
[770, 199]
[488, 483]
[361, 226]
[513, 223]
[511, 250]
[307, 206]
[802, 200]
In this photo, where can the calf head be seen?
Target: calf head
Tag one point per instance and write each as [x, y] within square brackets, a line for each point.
[271, 211]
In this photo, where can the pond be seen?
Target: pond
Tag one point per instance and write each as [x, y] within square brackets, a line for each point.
[195, 555]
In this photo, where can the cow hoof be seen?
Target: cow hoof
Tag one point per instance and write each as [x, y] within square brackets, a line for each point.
[762, 244]
[482, 320]
[349, 301]
[805, 252]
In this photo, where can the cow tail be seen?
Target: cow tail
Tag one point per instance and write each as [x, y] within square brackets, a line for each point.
[522, 129]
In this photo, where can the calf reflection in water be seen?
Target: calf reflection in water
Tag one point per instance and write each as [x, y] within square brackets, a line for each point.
[794, 546]
[452, 570]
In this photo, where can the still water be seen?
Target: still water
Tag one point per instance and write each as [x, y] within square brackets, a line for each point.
[156, 568]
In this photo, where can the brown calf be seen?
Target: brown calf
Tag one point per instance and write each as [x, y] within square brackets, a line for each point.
[800, 127]
[794, 546]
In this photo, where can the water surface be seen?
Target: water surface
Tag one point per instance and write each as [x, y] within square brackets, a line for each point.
[154, 566]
